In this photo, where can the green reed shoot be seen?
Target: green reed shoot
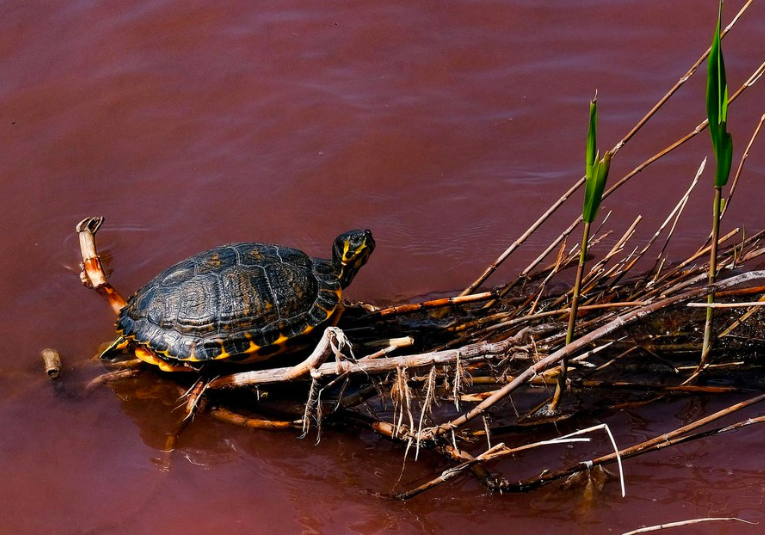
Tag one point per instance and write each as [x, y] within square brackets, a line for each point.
[722, 144]
[596, 173]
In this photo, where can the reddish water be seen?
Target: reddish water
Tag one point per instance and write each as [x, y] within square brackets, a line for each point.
[445, 127]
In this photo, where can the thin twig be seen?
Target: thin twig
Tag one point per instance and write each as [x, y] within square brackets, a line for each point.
[741, 166]
[687, 523]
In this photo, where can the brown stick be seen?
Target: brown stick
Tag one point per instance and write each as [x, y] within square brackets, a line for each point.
[675, 213]
[660, 289]
[681, 523]
[741, 166]
[225, 415]
[436, 303]
[111, 377]
[52, 362]
[727, 305]
[649, 386]
[92, 275]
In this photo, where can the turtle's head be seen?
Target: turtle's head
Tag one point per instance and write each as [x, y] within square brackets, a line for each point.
[351, 251]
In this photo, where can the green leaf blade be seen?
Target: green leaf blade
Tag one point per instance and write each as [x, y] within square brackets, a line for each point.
[717, 107]
[595, 186]
[724, 159]
[590, 155]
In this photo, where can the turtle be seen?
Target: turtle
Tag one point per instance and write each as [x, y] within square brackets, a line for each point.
[239, 302]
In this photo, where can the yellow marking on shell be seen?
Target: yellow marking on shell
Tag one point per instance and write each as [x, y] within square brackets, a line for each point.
[223, 353]
[253, 347]
[280, 341]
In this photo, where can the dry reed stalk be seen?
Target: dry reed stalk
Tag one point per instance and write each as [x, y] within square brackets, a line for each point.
[682, 523]
[436, 303]
[616, 249]
[228, 416]
[696, 131]
[727, 305]
[623, 385]
[675, 213]
[658, 288]
[742, 291]
[741, 166]
[559, 311]
[681, 81]
[610, 385]
[591, 278]
[517, 243]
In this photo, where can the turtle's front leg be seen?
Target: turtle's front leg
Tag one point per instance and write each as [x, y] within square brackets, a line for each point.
[92, 275]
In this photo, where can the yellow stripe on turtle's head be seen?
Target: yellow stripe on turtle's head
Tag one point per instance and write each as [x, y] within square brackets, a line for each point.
[351, 251]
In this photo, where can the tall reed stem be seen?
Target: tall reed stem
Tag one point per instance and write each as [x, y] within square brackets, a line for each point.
[705, 349]
[560, 387]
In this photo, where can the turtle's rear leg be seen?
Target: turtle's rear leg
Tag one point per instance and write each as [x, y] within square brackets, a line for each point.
[92, 275]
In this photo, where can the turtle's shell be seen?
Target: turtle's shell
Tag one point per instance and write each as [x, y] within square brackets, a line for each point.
[240, 301]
